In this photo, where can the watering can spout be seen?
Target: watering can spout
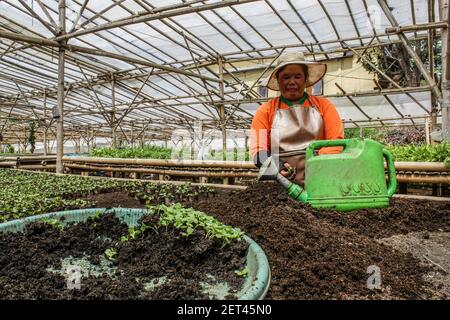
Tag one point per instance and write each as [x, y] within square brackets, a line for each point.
[269, 171]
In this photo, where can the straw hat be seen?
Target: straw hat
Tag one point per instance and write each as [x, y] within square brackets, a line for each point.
[316, 70]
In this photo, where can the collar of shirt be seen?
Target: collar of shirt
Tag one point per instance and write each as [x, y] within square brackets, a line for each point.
[299, 102]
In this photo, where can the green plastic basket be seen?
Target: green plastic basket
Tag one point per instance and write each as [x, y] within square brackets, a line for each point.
[258, 278]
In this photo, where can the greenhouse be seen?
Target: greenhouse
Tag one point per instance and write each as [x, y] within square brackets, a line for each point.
[236, 149]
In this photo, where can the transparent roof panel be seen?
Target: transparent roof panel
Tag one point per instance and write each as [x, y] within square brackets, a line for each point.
[183, 40]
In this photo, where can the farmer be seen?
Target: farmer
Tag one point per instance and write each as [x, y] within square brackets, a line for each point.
[284, 126]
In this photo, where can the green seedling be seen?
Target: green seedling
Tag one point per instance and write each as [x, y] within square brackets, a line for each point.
[134, 232]
[53, 222]
[110, 254]
[242, 273]
[95, 216]
[188, 220]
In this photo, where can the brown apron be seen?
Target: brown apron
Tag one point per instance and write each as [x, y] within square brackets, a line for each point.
[293, 129]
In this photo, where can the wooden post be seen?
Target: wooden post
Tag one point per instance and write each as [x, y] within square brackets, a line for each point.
[246, 149]
[113, 112]
[431, 35]
[45, 122]
[77, 145]
[445, 84]
[428, 126]
[222, 109]
[383, 4]
[132, 135]
[60, 120]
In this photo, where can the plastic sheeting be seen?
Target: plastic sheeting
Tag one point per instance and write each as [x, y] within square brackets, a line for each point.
[257, 26]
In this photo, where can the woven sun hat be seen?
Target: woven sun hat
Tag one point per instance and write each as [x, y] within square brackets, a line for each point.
[316, 70]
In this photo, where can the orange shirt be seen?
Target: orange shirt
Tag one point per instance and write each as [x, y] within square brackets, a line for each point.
[263, 119]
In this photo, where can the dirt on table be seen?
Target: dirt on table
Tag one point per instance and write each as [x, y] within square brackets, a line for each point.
[325, 254]
[159, 264]
[118, 199]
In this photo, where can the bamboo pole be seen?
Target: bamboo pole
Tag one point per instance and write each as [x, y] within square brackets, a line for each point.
[37, 167]
[445, 84]
[60, 120]
[153, 16]
[417, 178]
[27, 158]
[417, 27]
[180, 173]
[421, 166]
[45, 122]
[431, 35]
[74, 48]
[410, 50]
[164, 163]
[222, 109]
[113, 112]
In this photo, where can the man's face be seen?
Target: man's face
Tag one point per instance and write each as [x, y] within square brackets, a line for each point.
[292, 82]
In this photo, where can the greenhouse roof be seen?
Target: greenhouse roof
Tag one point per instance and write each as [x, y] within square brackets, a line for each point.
[160, 65]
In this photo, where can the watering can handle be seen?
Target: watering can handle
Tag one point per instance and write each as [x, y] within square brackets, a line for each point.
[391, 172]
[324, 143]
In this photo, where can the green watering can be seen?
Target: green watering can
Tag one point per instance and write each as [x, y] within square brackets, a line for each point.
[351, 180]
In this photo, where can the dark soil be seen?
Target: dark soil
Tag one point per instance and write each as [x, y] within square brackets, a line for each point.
[323, 254]
[118, 199]
[313, 254]
[401, 217]
[185, 261]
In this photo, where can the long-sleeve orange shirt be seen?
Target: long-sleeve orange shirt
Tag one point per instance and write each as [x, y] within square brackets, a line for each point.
[263, 119]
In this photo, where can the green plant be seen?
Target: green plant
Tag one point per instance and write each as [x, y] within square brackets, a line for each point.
[149, 152]
[134, 232]
[188, 220]
[110, 254]
[95, 216]
[53, 222]
[25, 193]
[421, 153]
[10, 148]
[242, 273]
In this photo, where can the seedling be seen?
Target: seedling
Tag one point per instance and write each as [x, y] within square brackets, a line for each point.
[53, 222]
[110, 254]
[188, 220]
[242, 273]
[95, 216]
[134, 232]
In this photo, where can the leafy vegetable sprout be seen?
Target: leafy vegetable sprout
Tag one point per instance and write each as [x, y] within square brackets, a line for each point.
[188, 220]
[134, 232]
[53, 222]
[242, 273]
[110, 254]
[95, 216]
